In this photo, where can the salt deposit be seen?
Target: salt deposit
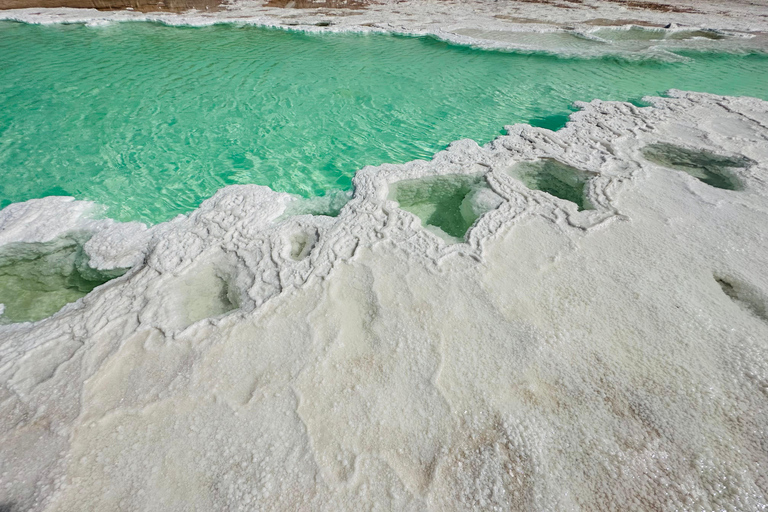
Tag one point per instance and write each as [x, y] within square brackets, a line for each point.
[255, 357]
[596, 340]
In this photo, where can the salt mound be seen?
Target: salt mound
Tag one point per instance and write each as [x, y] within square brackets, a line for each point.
[556, 358]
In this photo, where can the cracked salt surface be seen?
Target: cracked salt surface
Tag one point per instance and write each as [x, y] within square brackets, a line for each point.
[559, 358]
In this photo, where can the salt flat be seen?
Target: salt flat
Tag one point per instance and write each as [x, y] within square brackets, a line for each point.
[607, 355]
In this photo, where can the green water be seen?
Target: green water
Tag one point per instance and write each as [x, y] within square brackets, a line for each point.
[555, 178]
[37, 279]
[151, 120]
[444, 202]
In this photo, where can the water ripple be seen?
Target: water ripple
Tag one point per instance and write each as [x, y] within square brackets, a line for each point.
[151, 120]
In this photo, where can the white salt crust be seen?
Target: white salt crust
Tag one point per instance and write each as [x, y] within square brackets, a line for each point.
[611, 359]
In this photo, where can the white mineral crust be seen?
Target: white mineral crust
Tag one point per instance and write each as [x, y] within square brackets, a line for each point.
[612, 359]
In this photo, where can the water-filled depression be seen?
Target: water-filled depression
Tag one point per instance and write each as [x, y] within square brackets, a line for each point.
[37, 279]
[150, 120]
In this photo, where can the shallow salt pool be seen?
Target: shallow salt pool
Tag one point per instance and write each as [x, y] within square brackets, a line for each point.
[150, 120]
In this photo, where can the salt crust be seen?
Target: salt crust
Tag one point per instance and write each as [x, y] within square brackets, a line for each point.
[610, 359]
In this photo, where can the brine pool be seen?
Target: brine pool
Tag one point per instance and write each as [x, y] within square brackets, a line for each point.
[150, 120]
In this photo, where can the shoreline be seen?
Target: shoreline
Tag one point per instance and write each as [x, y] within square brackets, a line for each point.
[489, 24]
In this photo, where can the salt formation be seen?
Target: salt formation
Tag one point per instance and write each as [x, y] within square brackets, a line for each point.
[557, 358]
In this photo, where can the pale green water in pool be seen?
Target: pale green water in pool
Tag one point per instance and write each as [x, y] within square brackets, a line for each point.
[151, 120]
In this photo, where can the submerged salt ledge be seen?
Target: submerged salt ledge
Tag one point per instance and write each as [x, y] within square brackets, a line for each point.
[559, 359]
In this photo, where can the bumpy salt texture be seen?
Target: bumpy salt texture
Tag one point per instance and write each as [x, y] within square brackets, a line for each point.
[555, 359]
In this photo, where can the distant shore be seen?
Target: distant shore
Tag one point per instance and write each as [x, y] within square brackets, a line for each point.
[410, 15]
[175, 6]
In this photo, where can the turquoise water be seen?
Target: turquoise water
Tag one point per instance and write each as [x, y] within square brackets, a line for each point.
[151, 120]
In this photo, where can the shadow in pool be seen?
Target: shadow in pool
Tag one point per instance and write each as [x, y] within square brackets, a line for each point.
[555, 178]
[713, 169]
[447, 205]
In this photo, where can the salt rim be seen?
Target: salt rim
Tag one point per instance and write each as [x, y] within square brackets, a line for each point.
[239, 218]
